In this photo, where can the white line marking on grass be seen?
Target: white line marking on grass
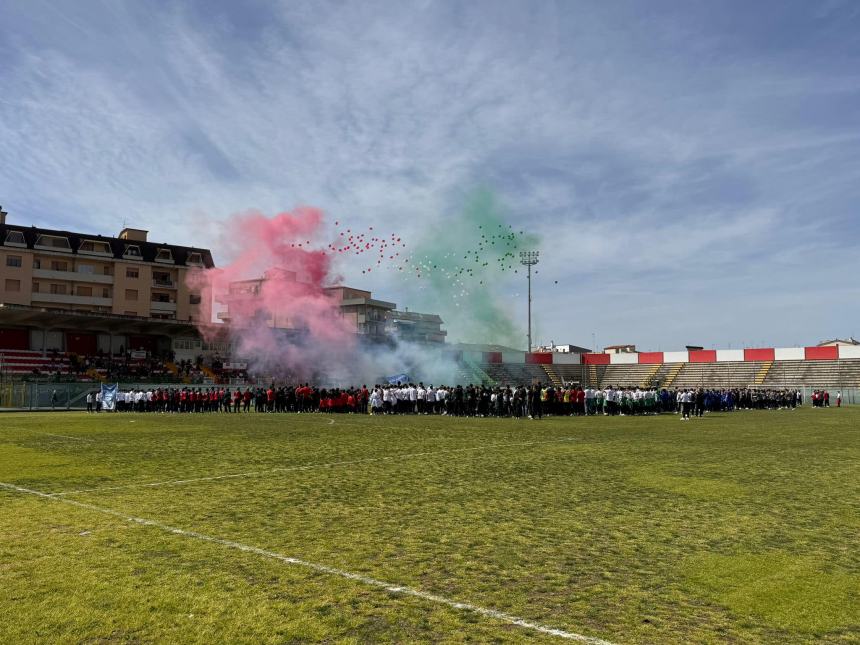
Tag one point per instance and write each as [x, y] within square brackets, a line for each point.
[322, 568]
[335, 464]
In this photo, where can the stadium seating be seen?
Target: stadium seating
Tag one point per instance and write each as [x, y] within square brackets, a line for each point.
[20, 362]
[571, 373]
[626, 375]
[522, 374]
[727, 374]
[845, 373]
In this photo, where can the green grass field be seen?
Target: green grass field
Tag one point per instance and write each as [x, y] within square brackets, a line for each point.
[738, 528]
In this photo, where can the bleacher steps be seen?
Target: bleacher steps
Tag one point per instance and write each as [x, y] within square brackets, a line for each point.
[673, 374]
[552, 375]
[649, 378]
[763, 372]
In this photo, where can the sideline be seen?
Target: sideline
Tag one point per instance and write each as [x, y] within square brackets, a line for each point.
[322, 568]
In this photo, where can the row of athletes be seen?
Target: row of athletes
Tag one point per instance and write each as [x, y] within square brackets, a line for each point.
[471, 400]
[303, 398]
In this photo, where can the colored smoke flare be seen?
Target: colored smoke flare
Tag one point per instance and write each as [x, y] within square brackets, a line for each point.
[458, 266]
[287, 322]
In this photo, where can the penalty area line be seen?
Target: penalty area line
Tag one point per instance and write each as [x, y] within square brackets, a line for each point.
[391, 588]
[335, 464]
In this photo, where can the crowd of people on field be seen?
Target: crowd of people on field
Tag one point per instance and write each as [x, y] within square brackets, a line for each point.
[533, 401]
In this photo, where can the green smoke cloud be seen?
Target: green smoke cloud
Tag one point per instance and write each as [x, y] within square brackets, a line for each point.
[460, 268]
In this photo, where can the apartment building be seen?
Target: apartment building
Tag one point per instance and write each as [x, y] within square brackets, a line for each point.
[416, 327]
[82, 293]
[366, 315]
[124, 275]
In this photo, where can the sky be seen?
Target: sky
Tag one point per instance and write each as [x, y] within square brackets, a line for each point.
[691, 170]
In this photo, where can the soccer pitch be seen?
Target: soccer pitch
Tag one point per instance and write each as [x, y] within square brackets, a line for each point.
[303, 528]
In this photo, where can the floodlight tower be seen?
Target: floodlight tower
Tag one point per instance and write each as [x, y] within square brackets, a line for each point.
[529, 259]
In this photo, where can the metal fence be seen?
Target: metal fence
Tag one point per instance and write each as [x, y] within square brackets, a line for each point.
[20, 395]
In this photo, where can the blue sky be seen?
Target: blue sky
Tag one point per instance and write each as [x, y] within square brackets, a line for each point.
[693, 168]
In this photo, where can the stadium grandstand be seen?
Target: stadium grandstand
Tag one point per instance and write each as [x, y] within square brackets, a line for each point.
[830, 364]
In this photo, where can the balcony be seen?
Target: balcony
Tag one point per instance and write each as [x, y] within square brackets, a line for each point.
[73, 276]
[71, 299]
[162, 306]
[163, 284]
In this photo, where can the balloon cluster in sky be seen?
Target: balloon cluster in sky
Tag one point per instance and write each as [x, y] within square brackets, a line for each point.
[486, 253]
[467, 268]
[377, 251]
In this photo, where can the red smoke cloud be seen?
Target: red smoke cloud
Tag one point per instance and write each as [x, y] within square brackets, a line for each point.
[292, 294]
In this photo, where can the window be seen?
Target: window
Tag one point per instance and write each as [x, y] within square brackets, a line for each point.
[195, 258]
[194, 299]
[132, 272]
[186, 344]
[58, 289]
[164, 255]
[57, 265]
[13, 260]
[162, 278]
[131, 251]
[15, 238]
[87, 269]
[160, 297]
[13, 285]
[37, 263]
[105, 292]
[107, 269]
[84, 291]
[53, 242]
[94, 246]
[131, 294]
[35, 287]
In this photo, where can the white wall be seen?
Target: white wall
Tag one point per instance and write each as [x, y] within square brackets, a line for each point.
[730, 355]
[789, 353]
[849, 351]
[624, 358]
[676, 357]
[514, 357]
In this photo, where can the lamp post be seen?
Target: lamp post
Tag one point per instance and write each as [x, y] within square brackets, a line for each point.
[529, 259]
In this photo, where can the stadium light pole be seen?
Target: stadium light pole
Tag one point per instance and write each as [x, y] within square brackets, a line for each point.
[529, 259]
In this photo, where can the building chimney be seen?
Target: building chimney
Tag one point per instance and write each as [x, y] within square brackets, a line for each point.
[133, 234]
[3, 215]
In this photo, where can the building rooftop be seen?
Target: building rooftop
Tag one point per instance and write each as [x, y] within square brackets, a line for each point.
[117, 245]
[839, 341]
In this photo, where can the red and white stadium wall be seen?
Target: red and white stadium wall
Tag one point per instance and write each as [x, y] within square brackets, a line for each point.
[658, 358]
[830, 353]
